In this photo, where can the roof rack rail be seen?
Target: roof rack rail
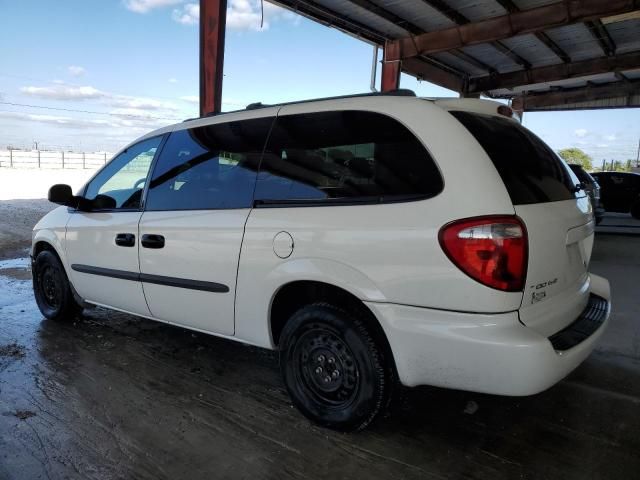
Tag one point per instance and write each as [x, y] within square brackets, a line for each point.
[401, 92]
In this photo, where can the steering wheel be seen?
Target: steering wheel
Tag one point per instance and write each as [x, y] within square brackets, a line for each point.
[140, 182]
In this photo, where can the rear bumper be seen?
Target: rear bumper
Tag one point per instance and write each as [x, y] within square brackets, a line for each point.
[491, 353]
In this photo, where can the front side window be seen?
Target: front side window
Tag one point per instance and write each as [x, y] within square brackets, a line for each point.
[210, 167]
[123, 179]
[344, 155]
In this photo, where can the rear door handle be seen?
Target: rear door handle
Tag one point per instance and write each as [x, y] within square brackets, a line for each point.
[150, 240]
[125, 239]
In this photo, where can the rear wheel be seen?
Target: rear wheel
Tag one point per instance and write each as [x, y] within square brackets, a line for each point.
[52, 288]
[635, 210]
[333, 369]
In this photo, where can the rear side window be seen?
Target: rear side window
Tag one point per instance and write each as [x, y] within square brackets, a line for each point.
[345, 155]
[530, 170]
[211, 167]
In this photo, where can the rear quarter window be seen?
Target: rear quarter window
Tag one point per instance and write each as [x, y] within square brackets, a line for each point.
[530, 170]
[344, 156]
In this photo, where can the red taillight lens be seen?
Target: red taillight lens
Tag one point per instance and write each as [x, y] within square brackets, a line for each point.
[491, 250]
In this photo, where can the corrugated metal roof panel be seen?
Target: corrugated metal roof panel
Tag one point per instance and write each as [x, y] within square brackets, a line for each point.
[577, 41]
[458, 64]
[626, 35]
[476, 9]
[491, 56]
[362, 15]
[419, 12]
[533, 50]
[529, 4]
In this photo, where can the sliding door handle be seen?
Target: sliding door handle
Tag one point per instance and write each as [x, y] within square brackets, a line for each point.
[125, 239]
[152, 241]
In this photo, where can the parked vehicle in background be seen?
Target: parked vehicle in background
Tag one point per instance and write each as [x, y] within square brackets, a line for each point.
[370, 239]
[620, 192]
[591, 187]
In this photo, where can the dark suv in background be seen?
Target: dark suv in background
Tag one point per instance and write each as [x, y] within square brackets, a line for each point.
[620, 192]
[592, 188]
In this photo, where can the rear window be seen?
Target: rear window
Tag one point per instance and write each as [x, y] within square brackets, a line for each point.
[352, 156]
[530, 170]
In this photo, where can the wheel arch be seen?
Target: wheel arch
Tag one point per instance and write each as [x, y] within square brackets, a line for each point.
[294, 295]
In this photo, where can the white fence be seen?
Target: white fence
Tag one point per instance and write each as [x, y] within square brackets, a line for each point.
[52, 159]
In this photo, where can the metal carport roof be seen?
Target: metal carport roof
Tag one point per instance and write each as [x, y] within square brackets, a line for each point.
[543, 54]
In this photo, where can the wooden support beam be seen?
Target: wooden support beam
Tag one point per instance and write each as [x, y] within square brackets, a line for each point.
[627, 61]
[533, 101]
[416, 30]
[601, 34]
[459, 19]
[424, 69]
[511, 7]
[516, 23]
[390, 78]
[213, 19]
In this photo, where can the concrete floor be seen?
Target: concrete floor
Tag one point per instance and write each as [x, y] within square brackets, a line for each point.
[114, 396]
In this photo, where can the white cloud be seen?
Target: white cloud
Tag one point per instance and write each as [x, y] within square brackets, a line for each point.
[173, 80]
[63, 92]
[144, 6]
[580, 132]
[56, 120]
[191, 98]
[241, 14]
[76, 70]
[602, 145]
[611, 137]
[141, 103]
[188, 14]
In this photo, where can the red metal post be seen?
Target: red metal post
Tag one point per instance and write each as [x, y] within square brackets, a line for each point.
[390, 67]
[213, 19]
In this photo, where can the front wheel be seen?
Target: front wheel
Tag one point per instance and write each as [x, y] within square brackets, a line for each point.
[52, 288]
[333, 368]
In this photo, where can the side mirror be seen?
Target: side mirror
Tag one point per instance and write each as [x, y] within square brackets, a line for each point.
[61, 194]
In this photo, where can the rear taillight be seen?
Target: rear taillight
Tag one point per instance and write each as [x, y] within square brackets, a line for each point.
[491, 250]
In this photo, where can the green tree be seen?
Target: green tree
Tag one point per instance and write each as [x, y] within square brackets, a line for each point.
[575, 155]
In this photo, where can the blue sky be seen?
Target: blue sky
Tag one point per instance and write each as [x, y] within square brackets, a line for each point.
[132, 65]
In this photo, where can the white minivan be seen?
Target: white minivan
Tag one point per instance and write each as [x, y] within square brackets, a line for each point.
[371, 239]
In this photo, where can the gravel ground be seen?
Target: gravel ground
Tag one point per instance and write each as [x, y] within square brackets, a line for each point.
[17, 218]
[23, 202]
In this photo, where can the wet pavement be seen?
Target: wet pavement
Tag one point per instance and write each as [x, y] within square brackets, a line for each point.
[115, 396]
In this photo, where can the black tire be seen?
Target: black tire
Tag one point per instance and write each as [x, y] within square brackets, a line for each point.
[52, 288]
[320, 340]
[635, 210]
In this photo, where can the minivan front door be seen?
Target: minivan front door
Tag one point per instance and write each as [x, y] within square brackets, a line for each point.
[191, 231]
[102, 245]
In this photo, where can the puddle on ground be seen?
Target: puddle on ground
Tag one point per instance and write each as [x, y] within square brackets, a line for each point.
[15, 263]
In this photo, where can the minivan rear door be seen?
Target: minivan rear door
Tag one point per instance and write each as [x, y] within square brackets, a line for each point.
[558, 219]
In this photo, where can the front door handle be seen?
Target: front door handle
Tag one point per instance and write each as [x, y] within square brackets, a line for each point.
[125, 239]
[150, 240]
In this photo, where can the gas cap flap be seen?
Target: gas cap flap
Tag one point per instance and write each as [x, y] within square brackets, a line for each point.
[283, 244]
